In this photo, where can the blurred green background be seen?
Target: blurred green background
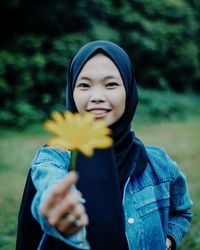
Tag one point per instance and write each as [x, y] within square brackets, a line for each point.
[37, 40]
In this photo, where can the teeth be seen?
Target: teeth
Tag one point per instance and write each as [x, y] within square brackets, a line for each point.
[99, 111]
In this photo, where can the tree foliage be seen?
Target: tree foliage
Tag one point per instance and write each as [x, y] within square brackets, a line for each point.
[39, 37]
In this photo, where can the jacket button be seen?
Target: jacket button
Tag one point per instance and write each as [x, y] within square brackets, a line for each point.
[131, 220]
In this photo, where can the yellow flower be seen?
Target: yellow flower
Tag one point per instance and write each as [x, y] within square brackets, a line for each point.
[78, 132]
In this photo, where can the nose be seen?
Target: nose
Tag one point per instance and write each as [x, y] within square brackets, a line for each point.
[97, 96]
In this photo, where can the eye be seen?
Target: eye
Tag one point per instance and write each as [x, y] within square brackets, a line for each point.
[111, 85]
[83, 85]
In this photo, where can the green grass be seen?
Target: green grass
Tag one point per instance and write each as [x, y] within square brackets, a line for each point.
[17, 149]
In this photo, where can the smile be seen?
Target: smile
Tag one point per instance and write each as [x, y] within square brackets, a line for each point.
[99, 113]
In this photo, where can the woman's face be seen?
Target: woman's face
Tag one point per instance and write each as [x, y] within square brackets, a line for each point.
[99, 89]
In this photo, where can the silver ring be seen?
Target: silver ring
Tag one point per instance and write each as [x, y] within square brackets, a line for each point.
[72, 219]
[78, 223]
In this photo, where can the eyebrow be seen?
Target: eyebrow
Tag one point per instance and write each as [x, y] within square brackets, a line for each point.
[109, 77]
[105, 78]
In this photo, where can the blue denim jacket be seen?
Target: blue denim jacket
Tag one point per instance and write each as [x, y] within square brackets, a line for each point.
[156, 203]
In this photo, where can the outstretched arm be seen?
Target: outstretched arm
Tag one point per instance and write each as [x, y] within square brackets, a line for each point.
[63, 209]
[57, 205]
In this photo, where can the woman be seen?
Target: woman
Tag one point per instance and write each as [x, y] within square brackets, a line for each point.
[149, 192]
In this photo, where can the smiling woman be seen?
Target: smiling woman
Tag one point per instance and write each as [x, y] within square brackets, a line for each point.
[129, 196]
[99, 89]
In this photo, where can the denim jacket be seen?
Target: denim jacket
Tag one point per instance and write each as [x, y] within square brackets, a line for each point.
[156, 203]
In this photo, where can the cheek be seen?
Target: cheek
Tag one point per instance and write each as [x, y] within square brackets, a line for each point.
[120, 102]
[80, 101]
[121, 106]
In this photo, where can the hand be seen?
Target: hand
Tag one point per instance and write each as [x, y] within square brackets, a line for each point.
[168, 244]
[63, 208]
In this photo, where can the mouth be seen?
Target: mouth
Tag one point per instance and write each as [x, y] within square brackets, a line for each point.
[99, 113]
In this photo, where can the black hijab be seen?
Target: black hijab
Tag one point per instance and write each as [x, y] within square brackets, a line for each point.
[129, 151]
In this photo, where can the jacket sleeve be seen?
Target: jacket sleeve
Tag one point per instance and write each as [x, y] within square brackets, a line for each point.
[180, 204]
[48, 168]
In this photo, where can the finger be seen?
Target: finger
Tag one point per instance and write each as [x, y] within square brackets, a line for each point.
[84, 220]
[70, 230]
[65, 184]
[66, 206]
[78, 211]
[70, 224]
[59, 191]
[74, 217]
[78, 224]
[78, 217]
[67, 225]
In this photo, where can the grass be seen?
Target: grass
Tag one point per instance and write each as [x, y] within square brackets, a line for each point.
[17, 149]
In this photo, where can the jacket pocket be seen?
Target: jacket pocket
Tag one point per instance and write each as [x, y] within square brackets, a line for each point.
[152, 198]
[153, 212]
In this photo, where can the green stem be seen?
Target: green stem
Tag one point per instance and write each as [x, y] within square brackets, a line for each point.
[74, 154]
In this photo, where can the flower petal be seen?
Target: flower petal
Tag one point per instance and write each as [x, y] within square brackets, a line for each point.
[52, 127]
[57, 117]
[60, 143]
[76, 131]
[88, 151]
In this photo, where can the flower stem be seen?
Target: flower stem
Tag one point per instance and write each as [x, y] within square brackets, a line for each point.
[74, 154]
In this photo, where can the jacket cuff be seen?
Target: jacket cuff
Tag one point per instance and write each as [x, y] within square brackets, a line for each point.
[175, 232]
[172, 241]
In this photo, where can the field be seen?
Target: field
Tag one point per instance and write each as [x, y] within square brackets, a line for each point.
[17, 148]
